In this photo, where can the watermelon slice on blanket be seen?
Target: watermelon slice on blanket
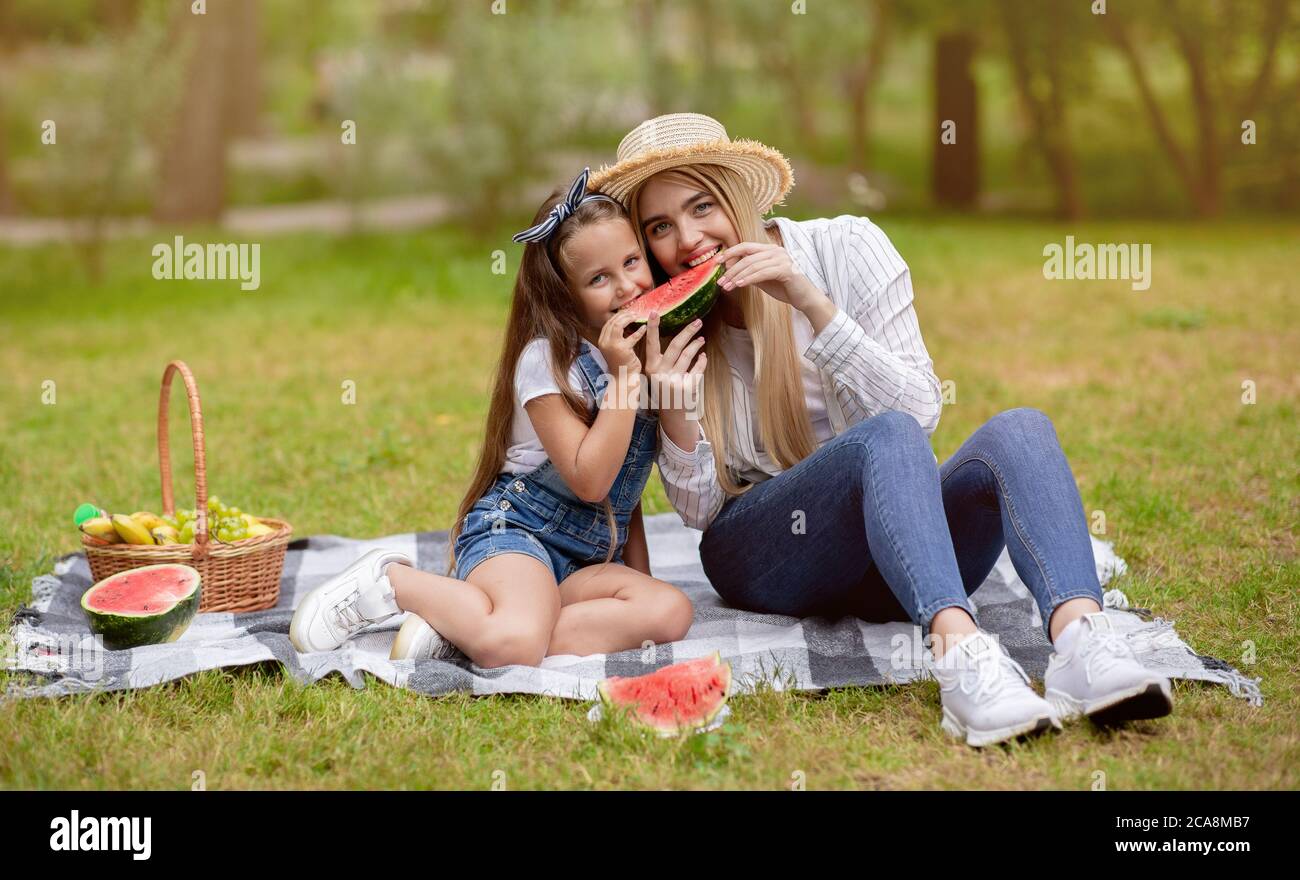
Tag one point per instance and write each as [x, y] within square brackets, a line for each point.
[143, 606]
[681, 299]
[676, 699]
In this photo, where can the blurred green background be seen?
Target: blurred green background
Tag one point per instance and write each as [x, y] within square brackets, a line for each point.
[480, 107]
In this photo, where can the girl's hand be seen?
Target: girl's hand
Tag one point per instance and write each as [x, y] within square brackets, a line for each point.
[620, 350]
[672, 378]
[770, 268]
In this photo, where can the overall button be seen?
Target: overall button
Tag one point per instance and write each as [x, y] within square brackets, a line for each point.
[504, 504]
[519, 485]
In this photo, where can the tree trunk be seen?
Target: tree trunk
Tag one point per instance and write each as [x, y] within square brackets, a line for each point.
[1207, 192]
[860, 85]
[955, 166]
[1047, 115]
[243, 90]
[6, 193]
[193, 164]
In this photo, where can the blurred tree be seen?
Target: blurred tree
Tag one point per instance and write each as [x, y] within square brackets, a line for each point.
[789, 51]
[660, 74]
[861, 72]
[956, 32]
[193, 161]
[1201, 31]
[1043, 40]
[955, 165]
[243, 88]
[6, 192]
[89, 167]
[715, 86]
[521, 90]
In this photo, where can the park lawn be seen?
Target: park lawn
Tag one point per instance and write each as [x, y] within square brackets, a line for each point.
[1198, 492]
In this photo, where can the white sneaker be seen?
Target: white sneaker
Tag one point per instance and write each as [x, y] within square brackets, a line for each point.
[1102, 678]
[416, 640]
[986, 695]
[346, 603]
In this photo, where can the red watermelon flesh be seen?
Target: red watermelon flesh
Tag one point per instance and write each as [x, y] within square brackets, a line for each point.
[145, 590]
[673, 700]
[680, 299]
[143, 606]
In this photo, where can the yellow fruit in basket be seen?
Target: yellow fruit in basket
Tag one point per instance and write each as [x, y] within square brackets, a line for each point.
[131, 530]
[165, 534]
[259, 528]
[101, 527]
[149, 520]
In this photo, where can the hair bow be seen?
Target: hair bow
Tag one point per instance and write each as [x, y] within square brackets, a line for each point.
[562, 211]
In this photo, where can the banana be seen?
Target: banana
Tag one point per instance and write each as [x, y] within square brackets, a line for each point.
[101, 527]
[165, 534]
[258, 529]
[251, 520]
[149, 520]
[131, 530]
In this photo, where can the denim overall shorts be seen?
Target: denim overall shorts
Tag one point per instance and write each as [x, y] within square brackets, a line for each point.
[538, 515]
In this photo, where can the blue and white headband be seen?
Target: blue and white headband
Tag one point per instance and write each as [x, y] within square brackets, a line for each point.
[577, 195]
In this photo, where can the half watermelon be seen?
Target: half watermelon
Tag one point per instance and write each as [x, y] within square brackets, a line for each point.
[681, 299]
[143, 606]
[673, 700]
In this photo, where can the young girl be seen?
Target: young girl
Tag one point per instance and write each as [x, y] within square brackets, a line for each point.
[549, 553]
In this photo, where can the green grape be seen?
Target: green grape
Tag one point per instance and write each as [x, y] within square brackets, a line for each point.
[187, 532]
[234, 511]
[172, 521]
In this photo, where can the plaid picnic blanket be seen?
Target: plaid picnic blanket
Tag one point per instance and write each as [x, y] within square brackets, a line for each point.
[50, 639]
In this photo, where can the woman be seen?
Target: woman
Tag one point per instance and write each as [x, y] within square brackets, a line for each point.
[810, 470]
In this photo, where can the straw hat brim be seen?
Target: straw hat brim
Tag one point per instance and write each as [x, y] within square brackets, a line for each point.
[764, 169]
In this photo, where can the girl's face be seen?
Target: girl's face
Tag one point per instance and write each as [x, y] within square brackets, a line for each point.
[605, 269]
[683, 226]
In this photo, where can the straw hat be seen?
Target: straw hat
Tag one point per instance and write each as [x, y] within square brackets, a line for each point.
[693, 139]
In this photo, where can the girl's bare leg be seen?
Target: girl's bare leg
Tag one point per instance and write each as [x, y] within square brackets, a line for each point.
[610, 607]
[503, 614]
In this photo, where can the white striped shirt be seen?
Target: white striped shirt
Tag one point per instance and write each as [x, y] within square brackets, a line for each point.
[870, 358]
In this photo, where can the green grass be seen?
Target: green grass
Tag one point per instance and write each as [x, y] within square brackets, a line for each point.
[1199, 493]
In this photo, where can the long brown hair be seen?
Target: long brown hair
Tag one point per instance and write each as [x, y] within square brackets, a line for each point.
[542, 304]
[784, 425]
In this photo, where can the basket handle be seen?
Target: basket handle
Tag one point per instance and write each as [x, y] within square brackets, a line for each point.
[200, 464]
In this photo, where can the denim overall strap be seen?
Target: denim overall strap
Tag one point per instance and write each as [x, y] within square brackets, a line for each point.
[595, 378]
[546, 475]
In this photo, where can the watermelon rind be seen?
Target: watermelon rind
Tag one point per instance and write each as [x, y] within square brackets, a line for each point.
[696, 305]
[678, 723]
[120, 630]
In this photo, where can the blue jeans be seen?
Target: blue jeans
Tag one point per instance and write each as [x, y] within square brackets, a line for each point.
[868, 525]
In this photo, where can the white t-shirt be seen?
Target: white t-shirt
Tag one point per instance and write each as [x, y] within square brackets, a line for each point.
[739, 345]
[533, 378]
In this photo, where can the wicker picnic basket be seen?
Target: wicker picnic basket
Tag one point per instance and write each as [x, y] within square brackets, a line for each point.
[239, 576]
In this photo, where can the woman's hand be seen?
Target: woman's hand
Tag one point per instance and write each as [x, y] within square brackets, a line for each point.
[770, 268]
[619, 350]
[672, 378]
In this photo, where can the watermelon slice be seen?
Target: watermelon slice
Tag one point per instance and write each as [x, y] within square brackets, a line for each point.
[143, 606]
[681, 299]
[673, 700]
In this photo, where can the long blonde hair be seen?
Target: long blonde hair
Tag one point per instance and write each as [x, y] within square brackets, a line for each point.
[542, 304]
[784, 426]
